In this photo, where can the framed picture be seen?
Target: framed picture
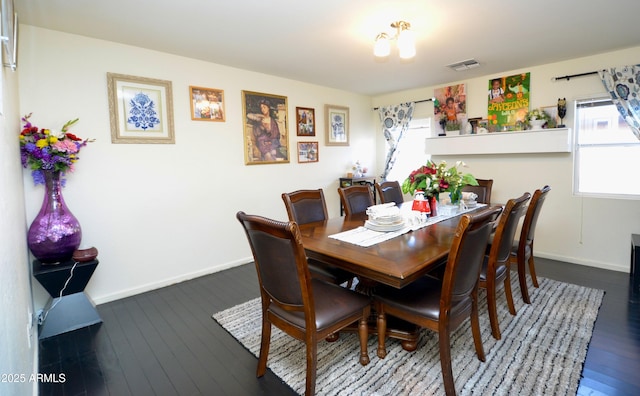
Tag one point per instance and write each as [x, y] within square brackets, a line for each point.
[207, 104]
[308, 152]
[336, 125]
[483, 126]
[305, 121]
[266, 136]
[552, 112]
[140, 109]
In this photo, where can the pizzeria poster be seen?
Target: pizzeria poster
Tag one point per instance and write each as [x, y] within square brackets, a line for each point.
[508, 101]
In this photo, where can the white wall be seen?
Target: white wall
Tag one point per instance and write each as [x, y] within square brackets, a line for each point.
[18, 344]
[589, 231]
[163, 213]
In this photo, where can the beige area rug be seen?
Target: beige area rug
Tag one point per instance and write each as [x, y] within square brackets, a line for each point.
[541, 352]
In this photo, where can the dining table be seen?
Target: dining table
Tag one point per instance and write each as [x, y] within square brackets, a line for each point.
[395, 262]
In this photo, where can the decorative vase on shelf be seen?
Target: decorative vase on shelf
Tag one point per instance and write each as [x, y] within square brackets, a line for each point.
[536, 124]
[55, 233]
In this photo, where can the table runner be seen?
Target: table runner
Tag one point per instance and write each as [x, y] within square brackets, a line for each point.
[365, 237]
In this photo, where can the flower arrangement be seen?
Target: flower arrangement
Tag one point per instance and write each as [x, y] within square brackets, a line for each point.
[536, 114]
[434, 179]
[46, 150]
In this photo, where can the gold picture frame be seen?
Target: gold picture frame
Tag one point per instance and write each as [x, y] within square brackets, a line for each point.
[336, 125]
[207, 104]
[140, 109]
[266, 134]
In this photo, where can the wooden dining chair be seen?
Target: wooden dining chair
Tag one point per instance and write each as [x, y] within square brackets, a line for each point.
[482, 190]
[355, 199]
[496, 267]
[443, 305]
[522, 251]
[309, 206]
[390, 191]
[305, 308]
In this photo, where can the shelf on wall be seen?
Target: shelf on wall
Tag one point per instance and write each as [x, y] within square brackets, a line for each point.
[557, 140]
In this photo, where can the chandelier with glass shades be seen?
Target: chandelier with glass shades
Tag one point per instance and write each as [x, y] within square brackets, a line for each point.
[405, 41]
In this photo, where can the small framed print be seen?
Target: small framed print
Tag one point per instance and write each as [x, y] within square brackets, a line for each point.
[207, 104]
[552, 112]
[140, 109]
[305, 121]
[483, 126]
[307, 152]
[336, 125]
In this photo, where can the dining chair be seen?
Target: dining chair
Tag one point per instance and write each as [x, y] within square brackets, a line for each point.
[309, 206]
[355, 199]
[305, 308]
[443, 305]
[482, 190]
[522, 251]
[390, 191]
[496, 266]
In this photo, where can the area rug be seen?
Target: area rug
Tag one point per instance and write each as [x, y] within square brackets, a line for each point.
[541, 352]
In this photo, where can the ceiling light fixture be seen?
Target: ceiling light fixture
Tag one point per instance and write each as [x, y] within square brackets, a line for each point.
[404, 37]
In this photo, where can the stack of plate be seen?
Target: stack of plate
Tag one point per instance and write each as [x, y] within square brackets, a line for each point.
[384, 218]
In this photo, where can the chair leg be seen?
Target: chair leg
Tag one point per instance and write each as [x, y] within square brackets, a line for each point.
[363, 332]
[507, 292]
[445, 363]
[264, 346]
[312, 359]
[382, 332]
[493, 310]
[522, 278]
[532, 271]
[475, 328]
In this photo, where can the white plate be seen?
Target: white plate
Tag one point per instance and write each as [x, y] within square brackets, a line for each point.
[384, 227]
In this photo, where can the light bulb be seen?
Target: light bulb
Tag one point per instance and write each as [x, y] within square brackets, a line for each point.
[382, 47]
[406, 44]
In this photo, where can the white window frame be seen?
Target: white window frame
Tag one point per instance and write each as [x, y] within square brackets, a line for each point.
[577, 151]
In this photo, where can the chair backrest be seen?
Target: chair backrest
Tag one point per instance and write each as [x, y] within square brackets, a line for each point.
[280, 261]
[306, 206]
[467, 254]
[390, 191]
[506, 230]
[531, 218]
[355, 199]
[482, 190]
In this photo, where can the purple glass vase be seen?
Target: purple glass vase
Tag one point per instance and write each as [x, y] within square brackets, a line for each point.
[55, 232]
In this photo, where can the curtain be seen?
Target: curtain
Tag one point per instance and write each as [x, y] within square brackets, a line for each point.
[623, 84]
[395, 122]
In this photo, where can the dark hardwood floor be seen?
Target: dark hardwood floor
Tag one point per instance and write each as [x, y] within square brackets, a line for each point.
[165, 342]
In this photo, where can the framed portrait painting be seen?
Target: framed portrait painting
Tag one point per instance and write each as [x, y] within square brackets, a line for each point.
[140, 109]
[305, 121]
[207, 104]
[336, 125]
[308, 152]
[266, 135]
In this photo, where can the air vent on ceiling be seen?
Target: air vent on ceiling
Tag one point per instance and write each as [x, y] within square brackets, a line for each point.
[464, 65]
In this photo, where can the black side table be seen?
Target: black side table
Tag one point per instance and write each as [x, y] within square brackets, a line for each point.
[69, 308]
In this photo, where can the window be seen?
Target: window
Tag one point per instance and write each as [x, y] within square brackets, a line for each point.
[411, 150]
[607, 154]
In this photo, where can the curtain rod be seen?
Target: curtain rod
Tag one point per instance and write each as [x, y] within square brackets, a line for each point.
[415, 101]
[575, 75]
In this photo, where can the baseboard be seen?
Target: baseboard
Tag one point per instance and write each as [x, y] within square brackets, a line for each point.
[588, 263]
[171, 281]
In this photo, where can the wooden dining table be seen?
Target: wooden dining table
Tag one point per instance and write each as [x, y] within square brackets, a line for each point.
[396, 262]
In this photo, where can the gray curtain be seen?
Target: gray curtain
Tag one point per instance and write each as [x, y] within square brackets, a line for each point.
[395, 122]
[623, 84]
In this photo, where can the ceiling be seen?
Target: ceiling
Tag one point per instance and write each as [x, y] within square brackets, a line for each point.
[330, 42]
